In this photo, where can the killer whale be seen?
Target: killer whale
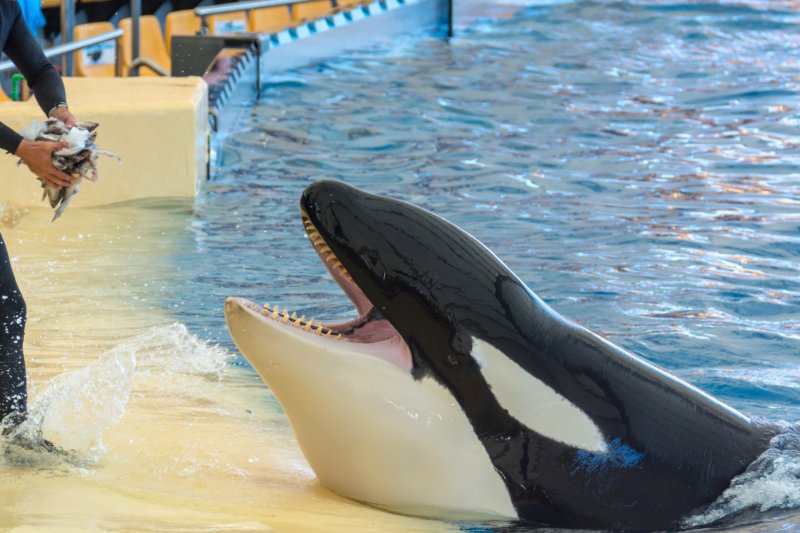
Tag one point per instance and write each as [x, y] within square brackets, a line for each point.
[458, 392]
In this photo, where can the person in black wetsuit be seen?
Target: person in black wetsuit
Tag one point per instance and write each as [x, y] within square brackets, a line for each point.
[17, 42]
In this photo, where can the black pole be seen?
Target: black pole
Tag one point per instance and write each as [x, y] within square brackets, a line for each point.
[67, 27]
[136, 12]
[450, 18]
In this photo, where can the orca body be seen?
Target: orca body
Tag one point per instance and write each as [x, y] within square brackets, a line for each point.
[459, 393]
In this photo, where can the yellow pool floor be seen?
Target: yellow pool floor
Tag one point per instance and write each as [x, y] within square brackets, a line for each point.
[166, 435]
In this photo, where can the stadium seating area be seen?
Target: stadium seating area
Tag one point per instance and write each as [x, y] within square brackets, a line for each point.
[160, 21]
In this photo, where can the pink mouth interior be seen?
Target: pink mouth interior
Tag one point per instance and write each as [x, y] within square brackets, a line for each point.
[369, 328]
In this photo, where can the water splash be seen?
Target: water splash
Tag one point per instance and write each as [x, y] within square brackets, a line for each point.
[77, 408]
[174, 349]
[66, 421]
[770, 485]
[69, 417]
[10, 215]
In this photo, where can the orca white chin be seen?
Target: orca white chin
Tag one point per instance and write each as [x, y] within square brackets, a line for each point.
[369, 430]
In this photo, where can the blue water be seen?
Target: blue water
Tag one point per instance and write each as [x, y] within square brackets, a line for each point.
[636, 163]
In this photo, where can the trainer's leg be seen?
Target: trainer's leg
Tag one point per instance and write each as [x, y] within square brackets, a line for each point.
[13, 383]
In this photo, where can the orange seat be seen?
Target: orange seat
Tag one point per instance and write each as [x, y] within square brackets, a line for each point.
[227, 23]
[347, 4]
[4, 97]
[311, 10]
[99, 60]
[270, 19]
[183, 22]
[151, 44]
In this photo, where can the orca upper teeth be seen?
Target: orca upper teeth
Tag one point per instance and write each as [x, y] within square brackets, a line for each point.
[324, 250]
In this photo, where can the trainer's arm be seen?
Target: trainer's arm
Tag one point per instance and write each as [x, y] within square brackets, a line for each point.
[9, 139]
[22, 48]
[42, 77]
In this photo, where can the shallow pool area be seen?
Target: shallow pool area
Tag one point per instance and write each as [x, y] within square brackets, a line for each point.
[165, 430]
[629, 161]
[635, 163]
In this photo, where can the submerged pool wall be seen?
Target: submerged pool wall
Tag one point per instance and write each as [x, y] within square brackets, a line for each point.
[158, 126]
[379, 21]
[261, 56]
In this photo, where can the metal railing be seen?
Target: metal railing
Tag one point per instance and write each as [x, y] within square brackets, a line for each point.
[69, 47]
[67, 27]
[136, 12]
[246, 7]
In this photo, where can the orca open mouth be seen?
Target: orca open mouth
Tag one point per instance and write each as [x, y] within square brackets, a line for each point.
[369, 332]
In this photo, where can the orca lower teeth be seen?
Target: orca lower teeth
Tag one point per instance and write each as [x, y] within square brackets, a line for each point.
[310, 325]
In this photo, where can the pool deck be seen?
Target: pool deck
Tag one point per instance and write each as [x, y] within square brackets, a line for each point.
[158, 126]
[169, 130]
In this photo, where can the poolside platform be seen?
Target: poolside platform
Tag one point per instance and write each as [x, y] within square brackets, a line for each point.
[158, 126]
[169, 130]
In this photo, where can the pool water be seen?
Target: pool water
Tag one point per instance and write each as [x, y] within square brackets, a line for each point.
[635, 163]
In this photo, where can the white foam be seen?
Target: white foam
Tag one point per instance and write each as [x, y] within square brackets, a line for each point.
[74, 410]
[782, 376]
[771, 483]
[173, 348]
[10, 215]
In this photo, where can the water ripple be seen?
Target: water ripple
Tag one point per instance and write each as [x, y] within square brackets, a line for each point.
[634, 162]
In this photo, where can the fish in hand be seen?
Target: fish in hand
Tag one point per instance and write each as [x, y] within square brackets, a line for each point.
[79, 159]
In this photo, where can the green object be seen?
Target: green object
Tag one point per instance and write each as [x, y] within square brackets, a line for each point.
[16, 85]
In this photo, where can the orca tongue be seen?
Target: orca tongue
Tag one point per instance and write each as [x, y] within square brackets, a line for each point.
[372, 327]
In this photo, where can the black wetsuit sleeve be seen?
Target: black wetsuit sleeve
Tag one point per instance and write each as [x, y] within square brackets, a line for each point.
[43, 79]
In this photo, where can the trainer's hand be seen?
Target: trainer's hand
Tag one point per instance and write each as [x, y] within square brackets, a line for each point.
[63, 114]
[38, 155]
